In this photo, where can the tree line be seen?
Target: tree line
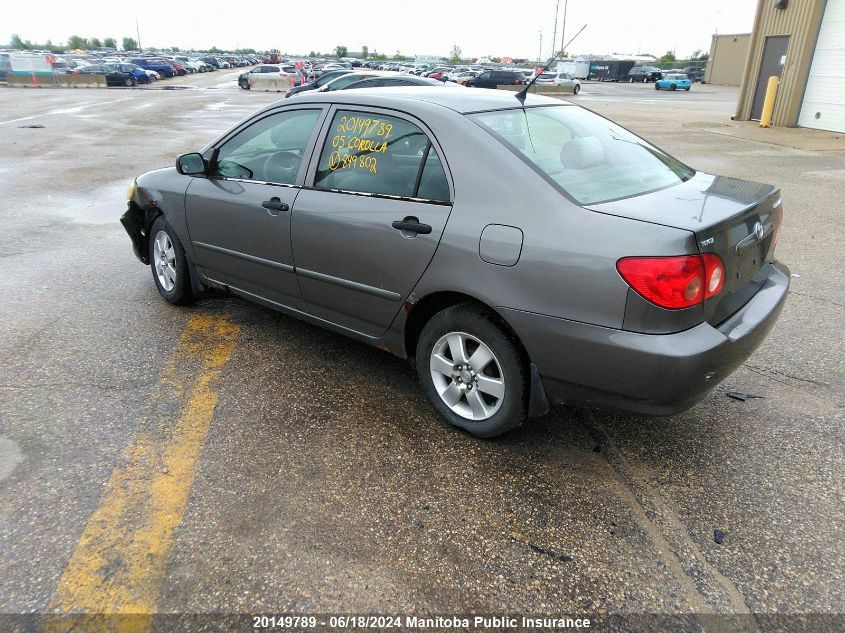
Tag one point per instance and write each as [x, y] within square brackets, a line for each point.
[73, 42]
[76, 42]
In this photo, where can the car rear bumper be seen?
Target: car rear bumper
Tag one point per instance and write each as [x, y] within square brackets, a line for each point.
[652, 374]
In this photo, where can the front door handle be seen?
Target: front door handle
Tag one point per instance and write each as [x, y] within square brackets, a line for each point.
[274, 204]
[411, 225]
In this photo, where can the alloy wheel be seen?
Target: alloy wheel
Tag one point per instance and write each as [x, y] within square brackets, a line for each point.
[467, 376]
[164, 261]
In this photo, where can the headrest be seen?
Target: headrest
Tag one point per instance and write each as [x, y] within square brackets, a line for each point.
[581, 153]
[291, 134]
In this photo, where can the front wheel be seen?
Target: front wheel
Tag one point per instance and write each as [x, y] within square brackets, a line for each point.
[472, 371]
[169, 264]
[576, 89]
[687, 88]
[673, 87]
[656, 87]
[244, 83]
[128, 82]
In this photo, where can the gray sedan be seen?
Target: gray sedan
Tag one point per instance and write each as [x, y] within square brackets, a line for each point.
[518, 253]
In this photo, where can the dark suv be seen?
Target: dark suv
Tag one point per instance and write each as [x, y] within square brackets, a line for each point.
[644, 74]
[494, 78]
[695, 73]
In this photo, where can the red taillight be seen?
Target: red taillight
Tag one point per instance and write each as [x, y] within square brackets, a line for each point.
[714, 275]
[674, 282]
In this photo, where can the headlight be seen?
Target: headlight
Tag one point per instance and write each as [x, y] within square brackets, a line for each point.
[133, 188]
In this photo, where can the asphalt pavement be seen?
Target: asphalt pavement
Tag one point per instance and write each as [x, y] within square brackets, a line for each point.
[223, 458]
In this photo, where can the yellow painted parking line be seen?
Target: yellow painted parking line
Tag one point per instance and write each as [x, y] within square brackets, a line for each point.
[120, 562]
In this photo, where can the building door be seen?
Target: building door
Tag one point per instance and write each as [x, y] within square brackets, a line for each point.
[823, 106]
[774, 57]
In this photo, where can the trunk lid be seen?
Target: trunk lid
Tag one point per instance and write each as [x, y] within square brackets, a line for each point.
[738, 220]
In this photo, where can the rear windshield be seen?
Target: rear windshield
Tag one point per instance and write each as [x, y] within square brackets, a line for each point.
[592, 159]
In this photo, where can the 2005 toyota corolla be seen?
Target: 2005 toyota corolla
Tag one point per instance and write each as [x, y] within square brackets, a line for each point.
[520, 253]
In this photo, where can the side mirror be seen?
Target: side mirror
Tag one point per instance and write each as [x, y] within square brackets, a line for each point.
[192, 164]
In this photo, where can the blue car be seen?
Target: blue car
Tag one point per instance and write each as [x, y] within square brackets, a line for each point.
[674, 81]
[136, 71]
[162, 68]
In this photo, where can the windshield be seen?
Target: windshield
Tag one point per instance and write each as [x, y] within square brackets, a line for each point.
[592, 159]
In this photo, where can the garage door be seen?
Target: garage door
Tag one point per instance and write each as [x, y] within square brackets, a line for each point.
[824, 101]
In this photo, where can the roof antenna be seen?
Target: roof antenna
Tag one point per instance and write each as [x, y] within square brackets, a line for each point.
[524, 92]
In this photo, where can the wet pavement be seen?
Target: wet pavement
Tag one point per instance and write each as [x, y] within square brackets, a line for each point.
[303, 472]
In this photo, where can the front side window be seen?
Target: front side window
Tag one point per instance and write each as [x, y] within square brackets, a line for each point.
[592, 159]
[375, 153]
[270, 150]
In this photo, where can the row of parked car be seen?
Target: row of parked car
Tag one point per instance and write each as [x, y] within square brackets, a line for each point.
[299, 76]
[145, 68]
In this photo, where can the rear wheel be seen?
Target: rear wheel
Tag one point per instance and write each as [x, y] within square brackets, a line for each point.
[472, 371]
[576, 89]
[656, 87]
[169, 264]
[129, 82]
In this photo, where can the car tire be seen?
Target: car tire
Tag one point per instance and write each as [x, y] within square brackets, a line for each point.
[128, 82]
[656, 87]
[502, 404]
[631, 80]
[576, 89]
[687, 88]
[645, 79]
[673, 87]
[244, 83]
[169, 264]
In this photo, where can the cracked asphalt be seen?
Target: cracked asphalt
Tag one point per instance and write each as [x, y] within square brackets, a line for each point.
[322, 481]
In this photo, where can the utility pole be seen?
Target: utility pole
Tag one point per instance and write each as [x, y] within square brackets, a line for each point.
[563, 30]
[138, 33]
[554, 32]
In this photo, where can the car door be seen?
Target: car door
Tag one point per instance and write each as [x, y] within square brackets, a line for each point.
[366, 228]
[239, 216]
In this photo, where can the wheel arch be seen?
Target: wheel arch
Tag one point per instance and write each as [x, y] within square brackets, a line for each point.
[424, 309]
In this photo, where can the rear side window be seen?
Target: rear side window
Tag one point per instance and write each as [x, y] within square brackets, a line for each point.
[374, 153]
[345, 80]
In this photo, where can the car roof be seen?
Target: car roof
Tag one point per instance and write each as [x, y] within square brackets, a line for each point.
[463, 101]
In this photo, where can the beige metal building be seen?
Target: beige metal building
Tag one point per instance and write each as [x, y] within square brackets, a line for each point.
[803, 43]
[727, 59]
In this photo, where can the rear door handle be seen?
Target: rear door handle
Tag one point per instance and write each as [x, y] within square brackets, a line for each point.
[274, 204]
[411, 225]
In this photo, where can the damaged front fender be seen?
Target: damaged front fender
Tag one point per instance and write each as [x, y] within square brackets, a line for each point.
[137, 221]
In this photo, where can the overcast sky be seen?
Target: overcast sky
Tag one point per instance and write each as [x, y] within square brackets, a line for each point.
[424, 27]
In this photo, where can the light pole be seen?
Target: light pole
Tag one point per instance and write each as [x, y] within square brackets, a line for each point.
[138, 33]
[540, 53]
[554, 32]
[563, 30]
